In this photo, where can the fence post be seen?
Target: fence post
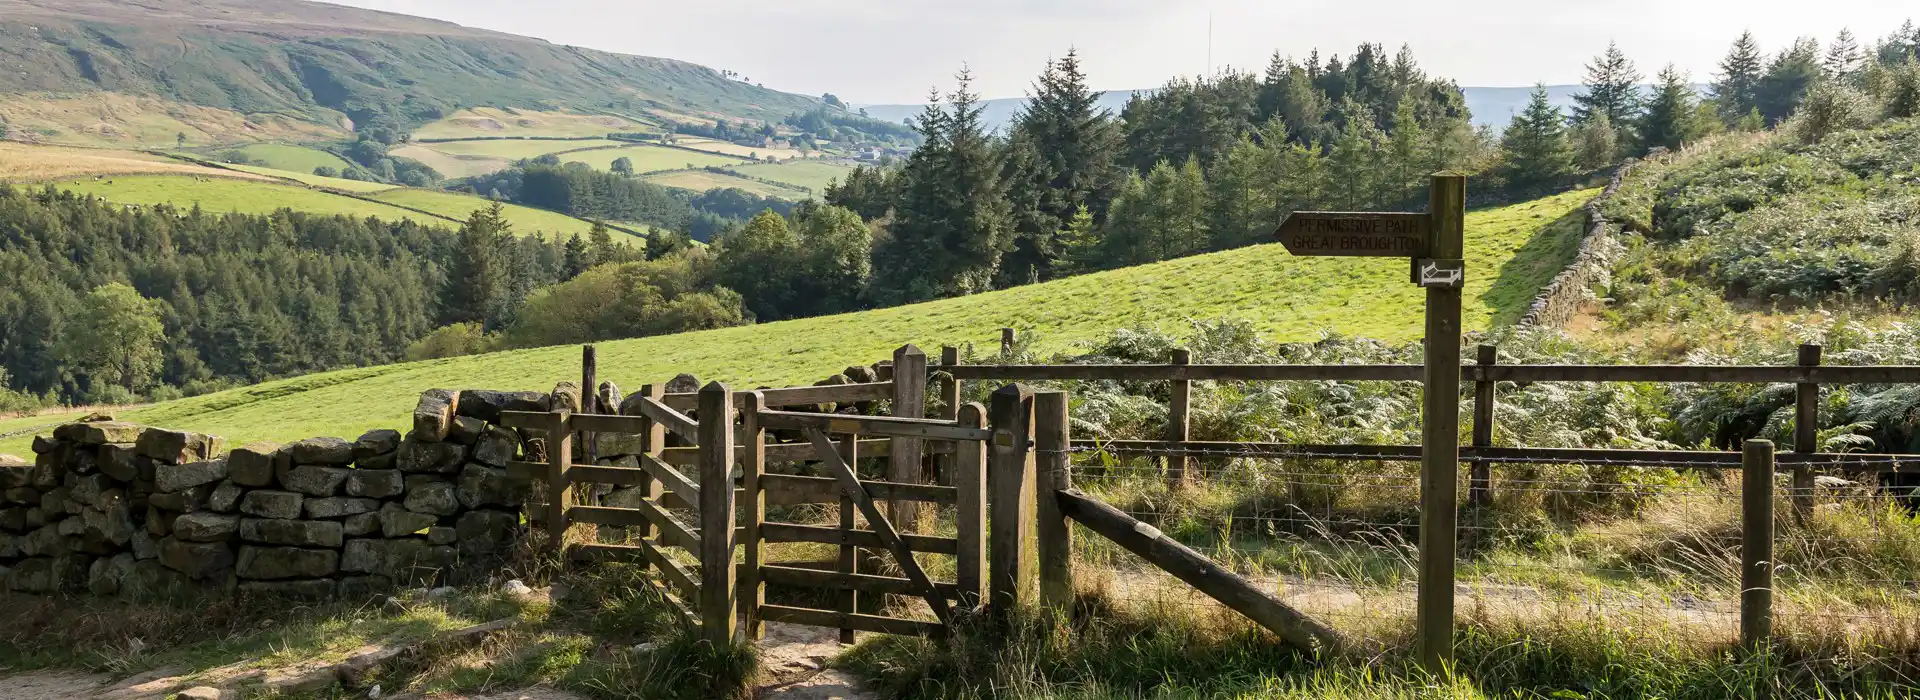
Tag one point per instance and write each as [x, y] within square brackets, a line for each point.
[1177, 424]
[753, 463]
[1806, 432]
[950, 389]
[970, 509]
[849, 555]
[1440, 431]
[559, 487]
[654, 441]
[1008, 338]
[716, 515]
[903, 454]
[1010, 486]
[1051, 437]
[1480, 481]
[589, 398]
[1756, 543]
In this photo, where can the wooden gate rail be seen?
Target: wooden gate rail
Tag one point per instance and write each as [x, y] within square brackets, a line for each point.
[1719, 459]
[874, 425]
[795, 396]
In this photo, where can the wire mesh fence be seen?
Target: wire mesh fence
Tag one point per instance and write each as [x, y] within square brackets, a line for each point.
[1619, 543]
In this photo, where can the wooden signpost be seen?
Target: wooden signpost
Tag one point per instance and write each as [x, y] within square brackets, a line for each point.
[1433, 243]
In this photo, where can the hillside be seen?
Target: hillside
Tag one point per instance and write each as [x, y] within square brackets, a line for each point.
[1512, 252]
[1767, 233]
[254, 69]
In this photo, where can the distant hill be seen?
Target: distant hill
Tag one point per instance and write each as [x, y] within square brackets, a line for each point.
[63, 63]
[1493, 106]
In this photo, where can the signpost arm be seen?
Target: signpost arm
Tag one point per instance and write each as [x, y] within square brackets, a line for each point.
[1440, 430]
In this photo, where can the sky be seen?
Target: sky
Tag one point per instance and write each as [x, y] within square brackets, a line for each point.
[894, 51]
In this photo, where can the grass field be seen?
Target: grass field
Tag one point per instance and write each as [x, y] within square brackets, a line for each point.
[488, 121]
[338, 183]
[227, 194]
[452, 166]
[701, 181]
[299, 159]
[1512, 252]
[811, 174]
[734, 149]
[647, 159]
[115, 119]
[513, 149]
[525, 220]
[21, 162]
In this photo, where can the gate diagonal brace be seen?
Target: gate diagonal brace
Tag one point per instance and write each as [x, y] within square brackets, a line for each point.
[830, 457]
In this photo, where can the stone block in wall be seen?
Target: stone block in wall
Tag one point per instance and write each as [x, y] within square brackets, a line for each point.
[70, 527]
[176, 446]
[144, 546]
[119, 461]
[433, 415]
[225, 497]
[486, 405]
[329, 451]
[317, 589]
[374, 443]
[44, 542]
[185, 501]
[206, 526]
[83, 459]
[54, 500]
[379, 461]
[36, 517]
[496, 447]
[683, 383]
[106, 575]
[339, 507]
[43, 444]
[396, 521]
[314, 480]
[25, 495]
[362, 588]
[466, 430]
[87, 489]
[160, 522]
[9, 547]
[66, 572]
[113, 525]
[272, 504]
[481, 485]
[171, 478]
[269, 563]
[565, 397]
[418, 457]
[431, 494]
[362, 524]
[150, 579]
[49, 469]
[252, 465]
[486, 531]
[293, 533]
[409, 560]
[99, 433]
[15, 472]
[441, 535]
[198, 560]
[376, 483]
[619, 444]
[13, 519]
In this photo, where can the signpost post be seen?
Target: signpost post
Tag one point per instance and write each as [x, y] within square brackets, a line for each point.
[1433, 242]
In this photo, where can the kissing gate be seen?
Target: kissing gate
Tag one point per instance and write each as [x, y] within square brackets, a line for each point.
[954, 508]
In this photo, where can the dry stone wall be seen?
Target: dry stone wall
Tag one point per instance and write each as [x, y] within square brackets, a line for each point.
[114, 508]
[1591, 267]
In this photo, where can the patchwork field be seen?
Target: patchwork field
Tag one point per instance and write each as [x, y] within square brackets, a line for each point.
[1512, 252]
[701, 181]
[525, 220]
[128, 121]
[513, 149]
[230, 194]
[488, 121]
[735, 149]
[449, 165]
[810, 174]
[338, 183]
[21, 162]
[648, 159]
[299, 159]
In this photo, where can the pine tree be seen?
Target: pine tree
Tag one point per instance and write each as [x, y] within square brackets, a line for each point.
[1177, 199]
[1668, 121]
[1612, 89]
[1079, 244]
[1354, 166]
[1072, 143]
[952, 224]
[1236, 203]
[1843, 60]
[1788, 78]
[1407, 153]
[478, 274]
[1535, 143]
[577, 257]
[1736, 88]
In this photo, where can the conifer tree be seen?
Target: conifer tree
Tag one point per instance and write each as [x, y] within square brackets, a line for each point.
[1788, 78]
[1354, 166]
[1612, 89]
[1072, 142]
[1668, 121]
[1736, 87]
[1178, 205]
[952, 224]
[1079, 244]
[1535, 144]
[577, 257]
[1843, 59]
[1407, 154]
[478, 276]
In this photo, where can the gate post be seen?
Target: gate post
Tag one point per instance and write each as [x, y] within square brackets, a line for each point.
[716, 515]
[654, 439]
[1440, 430]
[1179, 404]
[970, 509]
[1051, 440]
[903, 455]
[559, 484]
[1480, 482]
[1011, 486]
[1806, 433]
[1756, 543]
[753, 463]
